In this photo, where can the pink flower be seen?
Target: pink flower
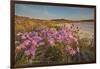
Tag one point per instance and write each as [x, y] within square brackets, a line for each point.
[59, 38]
[70, 50]
[78, 50]
[27, 52]
[51, 41]
[23, 37]
[34, 43]
[22, 46]
[41, 43]
[27, 42]
[30, 41]
[30, 52]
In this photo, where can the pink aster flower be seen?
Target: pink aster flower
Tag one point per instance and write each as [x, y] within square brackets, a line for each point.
[70, 50]
[27, 52]
[30, 52]
[27, 42]
[23, 37]
[59, 38]
[51, 41]
[73, 52]
[34, 43]
[78, 50]
[22, 46]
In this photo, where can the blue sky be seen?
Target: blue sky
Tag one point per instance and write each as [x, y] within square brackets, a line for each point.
[53, 12]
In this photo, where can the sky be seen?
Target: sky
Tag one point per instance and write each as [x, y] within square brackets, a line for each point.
[54, 12]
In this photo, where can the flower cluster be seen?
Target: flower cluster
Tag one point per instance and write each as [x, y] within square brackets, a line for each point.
[72, 51]
[30, 41]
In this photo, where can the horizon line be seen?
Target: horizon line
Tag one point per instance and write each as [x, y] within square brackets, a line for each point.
[52, 19]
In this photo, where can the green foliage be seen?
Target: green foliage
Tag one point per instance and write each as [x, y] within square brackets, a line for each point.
[87, 54]
[20, 58]
[53, 55]
[49, 54]
[39, 55]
